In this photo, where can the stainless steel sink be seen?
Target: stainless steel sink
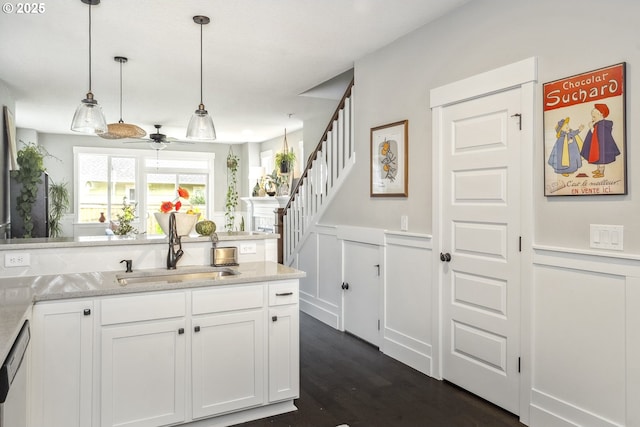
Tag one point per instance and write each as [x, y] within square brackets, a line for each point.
[175, 277]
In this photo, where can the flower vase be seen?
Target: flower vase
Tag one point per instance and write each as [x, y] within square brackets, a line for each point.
[185, 222]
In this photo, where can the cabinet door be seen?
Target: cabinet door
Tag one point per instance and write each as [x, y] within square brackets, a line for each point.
[227, 362]
[284, 357]
[62, 355]
[143, 374]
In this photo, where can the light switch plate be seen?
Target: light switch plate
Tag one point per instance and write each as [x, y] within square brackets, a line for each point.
[404, 223]
[606, 236]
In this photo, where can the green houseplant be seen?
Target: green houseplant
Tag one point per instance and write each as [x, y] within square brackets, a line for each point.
[231, 200]
[125, 218]
[30, 160]
[285, 160]
[58, 206]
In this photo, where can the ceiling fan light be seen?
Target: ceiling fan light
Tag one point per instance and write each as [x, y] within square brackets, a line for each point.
[201, 126]
[88, 117]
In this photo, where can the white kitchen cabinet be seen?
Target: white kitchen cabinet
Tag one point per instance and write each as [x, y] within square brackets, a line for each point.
[227, 362]
[160, 358]
[143, 363]
[62, 364]
[284, 340]
[227, 349]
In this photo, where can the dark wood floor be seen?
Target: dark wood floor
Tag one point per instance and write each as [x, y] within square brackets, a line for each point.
[344, 380]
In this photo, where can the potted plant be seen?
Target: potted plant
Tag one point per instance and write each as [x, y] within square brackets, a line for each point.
[285, 160]
[30, 160]
[125, 218]
[58, 206]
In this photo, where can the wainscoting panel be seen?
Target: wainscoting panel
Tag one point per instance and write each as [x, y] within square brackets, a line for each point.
[320, 293]
[408, 300]
[585, 339]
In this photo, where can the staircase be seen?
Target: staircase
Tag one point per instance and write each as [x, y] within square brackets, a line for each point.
[326, 170]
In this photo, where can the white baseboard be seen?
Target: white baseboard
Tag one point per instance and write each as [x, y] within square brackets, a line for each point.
[409, 356]
[549, 411]
[327, 317]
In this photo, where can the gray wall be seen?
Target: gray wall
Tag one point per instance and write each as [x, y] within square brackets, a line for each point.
[568, 37]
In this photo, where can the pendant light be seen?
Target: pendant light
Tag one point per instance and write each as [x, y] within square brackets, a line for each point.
[201, 124]
[121, 129]
[89, 117]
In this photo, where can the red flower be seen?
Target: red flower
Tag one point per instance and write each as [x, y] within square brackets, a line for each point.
[166, 206]
[182, 192]
[178, 205]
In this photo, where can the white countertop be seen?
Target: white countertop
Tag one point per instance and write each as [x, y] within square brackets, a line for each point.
[142, 239]
[19, 293]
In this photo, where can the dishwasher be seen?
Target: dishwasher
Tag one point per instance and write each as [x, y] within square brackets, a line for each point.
[13, 383]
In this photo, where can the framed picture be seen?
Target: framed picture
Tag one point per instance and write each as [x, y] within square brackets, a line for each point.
[584, 134]
[389, 160]
[10, 126]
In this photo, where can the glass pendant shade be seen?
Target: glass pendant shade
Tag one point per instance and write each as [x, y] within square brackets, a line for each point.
[89, 117]
[201, 126]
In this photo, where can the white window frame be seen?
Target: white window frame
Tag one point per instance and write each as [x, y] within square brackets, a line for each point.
[141, 173]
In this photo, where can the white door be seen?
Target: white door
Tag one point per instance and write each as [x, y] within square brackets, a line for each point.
[361, 290]
[480, 232]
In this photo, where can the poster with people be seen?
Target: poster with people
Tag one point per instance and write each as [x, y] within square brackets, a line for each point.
[584, 134]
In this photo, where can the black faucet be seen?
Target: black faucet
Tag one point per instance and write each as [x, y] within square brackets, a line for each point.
[129, 265]
[173, 256]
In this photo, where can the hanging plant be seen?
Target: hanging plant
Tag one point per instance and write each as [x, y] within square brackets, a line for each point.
[231, 200]
[286, 158]
[30, 161]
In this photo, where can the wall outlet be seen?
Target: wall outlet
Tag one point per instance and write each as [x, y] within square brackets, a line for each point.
[404, 223]
[17, 259]
[247, 248]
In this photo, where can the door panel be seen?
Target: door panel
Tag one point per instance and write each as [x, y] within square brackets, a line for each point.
[361, 299]
[480, 229]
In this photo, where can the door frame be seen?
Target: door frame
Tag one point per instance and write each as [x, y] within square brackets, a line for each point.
[523, 75]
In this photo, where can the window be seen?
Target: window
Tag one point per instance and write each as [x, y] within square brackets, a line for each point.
[106, 178]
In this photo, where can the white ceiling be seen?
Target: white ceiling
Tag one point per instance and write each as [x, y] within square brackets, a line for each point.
[259, 57]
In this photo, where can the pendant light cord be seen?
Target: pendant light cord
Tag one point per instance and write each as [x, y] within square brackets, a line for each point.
[201, 64]
[89, 46]
[121, 121]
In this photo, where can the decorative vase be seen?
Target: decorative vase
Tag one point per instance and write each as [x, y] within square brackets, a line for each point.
[102, 217]
[184, 222]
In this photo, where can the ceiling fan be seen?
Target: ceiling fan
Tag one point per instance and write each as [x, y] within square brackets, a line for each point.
[159, 141]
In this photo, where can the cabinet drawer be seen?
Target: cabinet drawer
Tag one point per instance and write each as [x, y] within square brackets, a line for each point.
[283, 293]
[137, 308]
[227, 298]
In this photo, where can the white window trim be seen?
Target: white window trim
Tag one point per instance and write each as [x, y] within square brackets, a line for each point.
[141, 170]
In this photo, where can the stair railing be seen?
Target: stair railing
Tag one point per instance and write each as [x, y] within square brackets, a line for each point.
[326, 169]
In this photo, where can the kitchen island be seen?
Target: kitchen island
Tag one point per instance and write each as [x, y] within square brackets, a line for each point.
[196, 351]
